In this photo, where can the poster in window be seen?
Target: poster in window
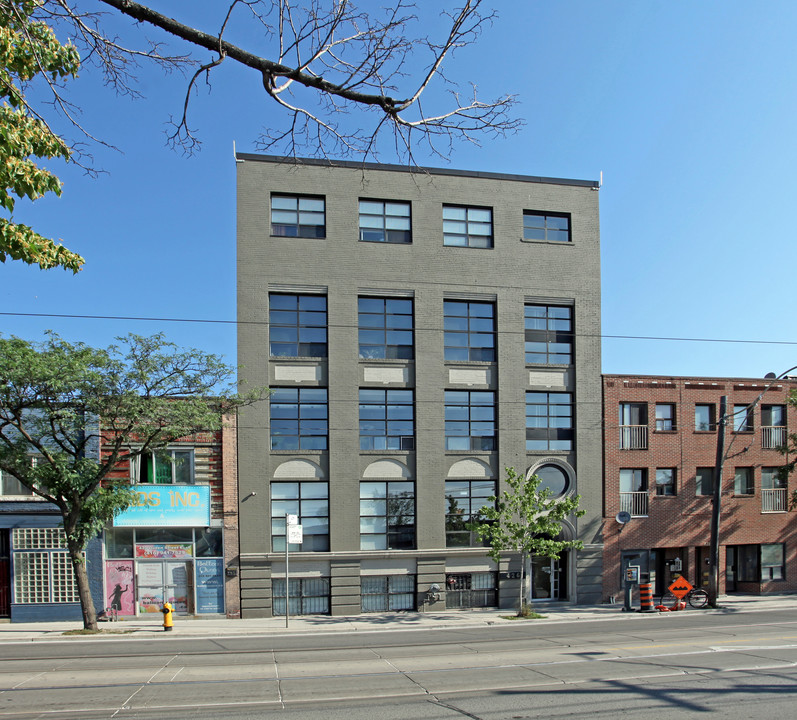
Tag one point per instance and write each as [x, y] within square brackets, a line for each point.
[119, 586]
[209, 586]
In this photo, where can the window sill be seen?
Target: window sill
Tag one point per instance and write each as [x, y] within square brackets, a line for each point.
[673, 495]
[401, 362]
[468, 247]
[398, 453]
[561, 243]
[297, 237]
[299, 452]
[674, 431]
[705, 432]
[746, 496]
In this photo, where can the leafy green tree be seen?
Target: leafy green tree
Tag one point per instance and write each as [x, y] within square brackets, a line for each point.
[526, 520]
[29, 48]
[70, 414]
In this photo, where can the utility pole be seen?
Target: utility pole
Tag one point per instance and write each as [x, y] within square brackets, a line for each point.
[714, 543]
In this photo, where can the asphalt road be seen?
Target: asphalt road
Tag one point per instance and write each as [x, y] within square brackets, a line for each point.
[671, 666]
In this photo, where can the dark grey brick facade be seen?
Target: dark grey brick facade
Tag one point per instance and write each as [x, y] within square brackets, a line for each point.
[510, 274]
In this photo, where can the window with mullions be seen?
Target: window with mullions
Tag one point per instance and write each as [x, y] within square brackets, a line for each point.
[546, 226]
[297, 325]
[10, 486]
[464, 502]
[386, 593]
[387, 419]
[385, 328]
[743, 481]
[42, 568]
[299, 419]
[665, 481]
[549, 421]
[705, 418]
[470, 420]
[742, 418]
[759, 563]
[467, 226]
[308, 596]
[469, 331]
[386, 222]
[665, 417]
[387, 515]
[310, 502]
[549, 334]
[165, 467]
[298, 216]
[704, 481]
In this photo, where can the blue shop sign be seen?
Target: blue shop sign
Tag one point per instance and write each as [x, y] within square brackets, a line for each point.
[167, 506]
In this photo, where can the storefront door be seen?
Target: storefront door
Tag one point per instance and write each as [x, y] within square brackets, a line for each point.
[546, 576]
[165, 581]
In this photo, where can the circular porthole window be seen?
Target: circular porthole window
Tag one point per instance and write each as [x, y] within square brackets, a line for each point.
[554, 478]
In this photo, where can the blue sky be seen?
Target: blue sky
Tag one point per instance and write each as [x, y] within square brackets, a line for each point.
[687, 109]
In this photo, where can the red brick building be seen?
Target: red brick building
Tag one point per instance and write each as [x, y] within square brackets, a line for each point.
[660, 444]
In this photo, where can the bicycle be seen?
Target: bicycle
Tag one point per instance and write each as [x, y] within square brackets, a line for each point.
[696, 597]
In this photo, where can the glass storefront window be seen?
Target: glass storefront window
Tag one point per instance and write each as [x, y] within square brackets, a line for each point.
[164, 535]
[119, 543]
[209, 542]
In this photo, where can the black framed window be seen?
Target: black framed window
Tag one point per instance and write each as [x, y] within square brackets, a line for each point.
[773, 478]
[665, 417]
[469, 331]
[387, 419]
[665, 481]
[297, 325]
[464, 502]
[387, 515]
[298, 216]
[633, 480]
[549, 421]
[385, 221]
[742, 418]
[387, 593]
[705, 418]
[467, 226]
[773, 563]
[299, 419]
[550, 227]
[309, 501]
[308, 596]
[548, 334]
[704, 481]
[470, 420]
[773, 415]
[165, 467]
[743, 481]
[385, 328]
[10, 486]
[759, 563]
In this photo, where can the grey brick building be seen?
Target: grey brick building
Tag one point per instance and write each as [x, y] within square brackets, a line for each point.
[421, 331]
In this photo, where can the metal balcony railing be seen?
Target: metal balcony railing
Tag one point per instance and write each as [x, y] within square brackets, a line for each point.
[635, 503]
[773, 437]
[633, 437]
[774, 500]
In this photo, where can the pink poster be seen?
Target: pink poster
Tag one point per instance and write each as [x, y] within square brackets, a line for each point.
[119, 586]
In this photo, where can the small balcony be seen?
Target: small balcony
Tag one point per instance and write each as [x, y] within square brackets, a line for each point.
[774, 500]
[634, 503]
[633, 437]
[773, 437]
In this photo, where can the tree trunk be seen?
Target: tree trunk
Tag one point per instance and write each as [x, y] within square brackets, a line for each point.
[82, 582]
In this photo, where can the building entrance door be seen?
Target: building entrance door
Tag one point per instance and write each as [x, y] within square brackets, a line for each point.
[730, 569]
[165, 581]
[547, 578]
[5, 576]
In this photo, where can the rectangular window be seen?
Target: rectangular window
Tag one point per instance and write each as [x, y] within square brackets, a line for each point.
[467, 226]
[387, 515]
[42, 569]
[633, 480]
[748, 559]
[297, 325]
[705, 418]
[665, 481]
[772, 562]
[470, 420]
[469, 331]
[665, 417]
[165, 467]
[773, 415]
[310, 502]
[549, 421]
[10, 487]
[386, 222]
[548, 227]
[299, 419]
[298, 216]
[385, 328]
[772, 478]
[387, 593]
[742, 418]
[387, 419]
[464, 501]
[308, 596]
[704, 481]
[633, 423]
[743, 481]
[548, 334]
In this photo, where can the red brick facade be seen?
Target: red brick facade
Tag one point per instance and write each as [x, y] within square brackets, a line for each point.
[673, 521]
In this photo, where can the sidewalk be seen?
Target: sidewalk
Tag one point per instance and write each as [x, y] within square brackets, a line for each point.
[149, 627]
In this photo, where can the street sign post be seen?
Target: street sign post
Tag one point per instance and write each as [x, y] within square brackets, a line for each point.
[293, 534]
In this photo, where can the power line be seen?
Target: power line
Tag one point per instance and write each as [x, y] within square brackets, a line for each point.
[266, 323]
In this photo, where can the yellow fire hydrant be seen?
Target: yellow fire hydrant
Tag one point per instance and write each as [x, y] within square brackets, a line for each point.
[168, 611]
